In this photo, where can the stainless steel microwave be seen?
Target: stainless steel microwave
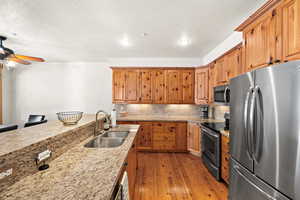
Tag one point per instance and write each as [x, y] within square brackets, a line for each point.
[222, 94]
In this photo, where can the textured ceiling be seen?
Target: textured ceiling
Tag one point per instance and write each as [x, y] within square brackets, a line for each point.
[91, 30]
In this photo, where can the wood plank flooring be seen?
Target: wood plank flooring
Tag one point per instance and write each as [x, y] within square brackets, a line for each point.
[175, 176]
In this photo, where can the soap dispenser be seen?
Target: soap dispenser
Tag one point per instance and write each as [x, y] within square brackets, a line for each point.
[113, 118]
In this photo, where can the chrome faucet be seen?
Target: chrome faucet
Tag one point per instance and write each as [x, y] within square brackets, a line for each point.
[106, 117]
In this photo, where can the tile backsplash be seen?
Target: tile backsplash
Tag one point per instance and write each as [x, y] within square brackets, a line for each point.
[215, 111]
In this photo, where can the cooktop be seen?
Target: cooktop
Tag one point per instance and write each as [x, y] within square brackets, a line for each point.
[216, 126]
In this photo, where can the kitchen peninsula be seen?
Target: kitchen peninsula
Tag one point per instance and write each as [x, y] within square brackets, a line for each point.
[75, 172]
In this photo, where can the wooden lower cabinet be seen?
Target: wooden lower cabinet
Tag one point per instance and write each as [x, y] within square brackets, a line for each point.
[145, 137]
[161, 136]
[194, 138]
[225, 159]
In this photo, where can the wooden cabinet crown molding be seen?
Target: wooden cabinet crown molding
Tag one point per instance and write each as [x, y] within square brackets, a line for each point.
[262, 10]
[152, 68]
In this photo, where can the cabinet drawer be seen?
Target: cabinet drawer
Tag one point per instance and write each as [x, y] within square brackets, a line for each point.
[163, 137]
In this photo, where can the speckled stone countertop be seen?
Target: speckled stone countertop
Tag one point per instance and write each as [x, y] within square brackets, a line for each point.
[79, 173]
[17, 139]
[195, 119]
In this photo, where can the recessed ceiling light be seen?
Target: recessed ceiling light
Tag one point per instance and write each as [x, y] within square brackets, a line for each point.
[184, 41]
[125, 41]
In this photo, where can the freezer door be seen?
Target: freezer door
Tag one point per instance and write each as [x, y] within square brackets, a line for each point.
[276, 127]
[245, 186]
[240, 94]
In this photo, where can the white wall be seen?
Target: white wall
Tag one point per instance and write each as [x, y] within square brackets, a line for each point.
[8, 95]
[234, 39]
[48, 88]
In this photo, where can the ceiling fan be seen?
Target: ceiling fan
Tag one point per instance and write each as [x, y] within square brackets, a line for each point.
[9, 55]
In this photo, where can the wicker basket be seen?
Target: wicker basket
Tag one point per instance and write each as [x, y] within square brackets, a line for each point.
[69, 118]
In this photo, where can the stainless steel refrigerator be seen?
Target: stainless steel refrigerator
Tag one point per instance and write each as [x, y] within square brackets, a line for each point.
[265, 134]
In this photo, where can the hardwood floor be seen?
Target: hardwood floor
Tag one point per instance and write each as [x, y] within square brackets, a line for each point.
[175, 176]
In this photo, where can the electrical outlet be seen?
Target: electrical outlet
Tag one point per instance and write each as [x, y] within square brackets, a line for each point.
[44, 155]
[6, 173]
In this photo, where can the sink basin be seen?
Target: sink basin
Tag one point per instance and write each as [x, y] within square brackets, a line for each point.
[121, 134]
[105, 142]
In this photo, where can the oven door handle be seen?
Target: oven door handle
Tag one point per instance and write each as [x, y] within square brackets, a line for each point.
[208, 132]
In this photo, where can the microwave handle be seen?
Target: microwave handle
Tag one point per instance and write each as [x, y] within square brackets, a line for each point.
[225, 94]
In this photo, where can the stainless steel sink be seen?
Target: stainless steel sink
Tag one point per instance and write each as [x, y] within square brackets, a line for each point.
[105, 142]
[121, 134]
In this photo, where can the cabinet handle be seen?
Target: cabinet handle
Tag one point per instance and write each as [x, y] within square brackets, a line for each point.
[277, 61]
[271, 61]
[126, 164]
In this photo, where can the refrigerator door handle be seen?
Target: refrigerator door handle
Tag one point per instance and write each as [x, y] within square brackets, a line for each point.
[246, 105]
[259, 121]
[251, 122]
[237, 169]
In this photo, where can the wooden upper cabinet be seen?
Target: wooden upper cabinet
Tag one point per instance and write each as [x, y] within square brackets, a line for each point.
[260, 41]
[220, 69]
[211, 82]
[188, 79]
[146, 90]
[118, 85]
[173, 86]
[158, 86]
[201, 85]
[233, 64]
[132, 83]
[290, 11]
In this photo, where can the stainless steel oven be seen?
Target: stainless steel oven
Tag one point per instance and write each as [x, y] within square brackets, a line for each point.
[211, 150]
[222, 94]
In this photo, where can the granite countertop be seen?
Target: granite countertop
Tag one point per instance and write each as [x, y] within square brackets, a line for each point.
[18, 139]
[196, 119]
[79, 173]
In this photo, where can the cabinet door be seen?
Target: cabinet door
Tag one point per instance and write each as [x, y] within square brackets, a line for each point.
[201, 87]
[221, 74]
[146, 86]
[132, 86]
[233, 64]
[118, 86]
[211, 83]
[164, 136]
[196, 130]
[260, 42]
[144, 139]
[188, 78]
[194, 138]
[181, 136]
[173, 86]
[291, 29]
[225, 159]
[131, 169]
[158, 86]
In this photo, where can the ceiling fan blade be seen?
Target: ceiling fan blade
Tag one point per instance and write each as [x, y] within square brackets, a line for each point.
[15, 59]
[29, 58]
